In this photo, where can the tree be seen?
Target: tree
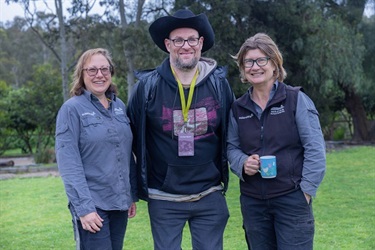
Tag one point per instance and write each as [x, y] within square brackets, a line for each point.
[53, 34]
[32, 109]
[128, 53]
[322, 46]
[30, 15]
[327, 45]
[368, 30]
[136, 42]
[20, 50]
[63, 49]
[334, 55]
[5, 133]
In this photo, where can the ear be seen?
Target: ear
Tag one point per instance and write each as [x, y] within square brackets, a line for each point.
[167, 44]
[112, 69]
[201, 40]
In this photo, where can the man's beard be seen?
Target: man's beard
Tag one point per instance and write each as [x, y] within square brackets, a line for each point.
[186, 66]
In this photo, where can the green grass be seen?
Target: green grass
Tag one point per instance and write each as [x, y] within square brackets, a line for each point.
[345, 205]
[13, 152]
[33, 212]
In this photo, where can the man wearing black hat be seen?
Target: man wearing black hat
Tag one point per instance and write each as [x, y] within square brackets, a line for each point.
[178, 114]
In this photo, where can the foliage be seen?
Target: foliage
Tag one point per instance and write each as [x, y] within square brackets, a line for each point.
[368, 88]
[327, 47]
[338, 225]
[323, 48]
[16, 63]
[5, 133]
[31, 110]
[334, 54]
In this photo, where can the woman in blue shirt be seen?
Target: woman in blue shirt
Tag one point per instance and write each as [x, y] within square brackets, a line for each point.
[94, 157]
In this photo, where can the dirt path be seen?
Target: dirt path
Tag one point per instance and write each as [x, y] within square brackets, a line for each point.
[7, 176]
[25, 167]
[19, 161]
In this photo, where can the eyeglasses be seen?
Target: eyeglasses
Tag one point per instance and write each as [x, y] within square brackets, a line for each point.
[179, 42]
[261, 61]
[93, 71]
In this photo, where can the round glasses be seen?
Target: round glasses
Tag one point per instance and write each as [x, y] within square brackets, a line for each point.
[93, 71]
[261, 61]
[179, 42]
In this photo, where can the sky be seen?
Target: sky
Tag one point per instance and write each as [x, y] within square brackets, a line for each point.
[8, 12]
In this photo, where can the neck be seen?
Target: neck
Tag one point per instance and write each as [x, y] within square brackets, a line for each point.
[261, 95]
[104, 101]
[185, 76]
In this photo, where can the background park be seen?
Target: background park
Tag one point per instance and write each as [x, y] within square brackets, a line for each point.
[328, 48]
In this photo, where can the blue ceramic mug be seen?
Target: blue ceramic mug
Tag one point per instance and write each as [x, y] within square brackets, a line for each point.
[268, 167]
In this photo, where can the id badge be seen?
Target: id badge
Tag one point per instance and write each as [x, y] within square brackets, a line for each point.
[185, 144]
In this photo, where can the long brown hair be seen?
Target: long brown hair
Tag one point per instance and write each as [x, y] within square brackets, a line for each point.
[78, 84]
[265, 44]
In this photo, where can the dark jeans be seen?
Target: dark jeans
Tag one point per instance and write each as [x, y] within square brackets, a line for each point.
[282, 223]
[111, 235]
[207, 219]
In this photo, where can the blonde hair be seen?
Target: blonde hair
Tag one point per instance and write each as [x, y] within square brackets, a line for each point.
[265, 44]
[78, 84]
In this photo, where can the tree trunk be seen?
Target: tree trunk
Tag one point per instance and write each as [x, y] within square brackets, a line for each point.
[128, 54]
[354, 105]
[130, 76]
[63, 54]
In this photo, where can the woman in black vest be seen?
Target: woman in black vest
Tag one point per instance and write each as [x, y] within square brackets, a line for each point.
[273, 118]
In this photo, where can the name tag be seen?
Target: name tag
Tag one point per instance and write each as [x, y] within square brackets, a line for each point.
[185, 144]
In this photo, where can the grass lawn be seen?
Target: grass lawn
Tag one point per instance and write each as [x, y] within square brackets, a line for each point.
[33, 212]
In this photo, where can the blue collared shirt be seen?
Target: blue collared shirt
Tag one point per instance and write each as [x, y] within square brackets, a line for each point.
[93, 150]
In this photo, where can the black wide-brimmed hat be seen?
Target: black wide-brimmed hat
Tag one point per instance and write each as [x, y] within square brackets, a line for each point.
[162, 27]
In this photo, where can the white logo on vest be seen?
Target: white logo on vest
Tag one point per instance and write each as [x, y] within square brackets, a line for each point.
[277, 110]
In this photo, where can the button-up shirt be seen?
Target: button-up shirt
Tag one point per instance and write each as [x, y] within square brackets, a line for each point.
[93, 149]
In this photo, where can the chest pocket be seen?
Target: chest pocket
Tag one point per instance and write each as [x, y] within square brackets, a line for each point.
[92, 128]
[122, 119]
[92, 121]
[92, 125]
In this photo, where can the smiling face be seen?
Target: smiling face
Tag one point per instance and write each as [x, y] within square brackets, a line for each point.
[186, 57]
[257, 75]
[99, 83]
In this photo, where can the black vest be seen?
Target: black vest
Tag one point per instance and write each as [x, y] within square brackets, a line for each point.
[275, 133]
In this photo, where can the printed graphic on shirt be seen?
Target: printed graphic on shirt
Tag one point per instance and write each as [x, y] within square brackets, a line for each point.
[196, 125]
[277, 110]
[200, 119]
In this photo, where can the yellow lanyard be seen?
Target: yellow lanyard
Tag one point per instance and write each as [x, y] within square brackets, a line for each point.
[186, 106]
